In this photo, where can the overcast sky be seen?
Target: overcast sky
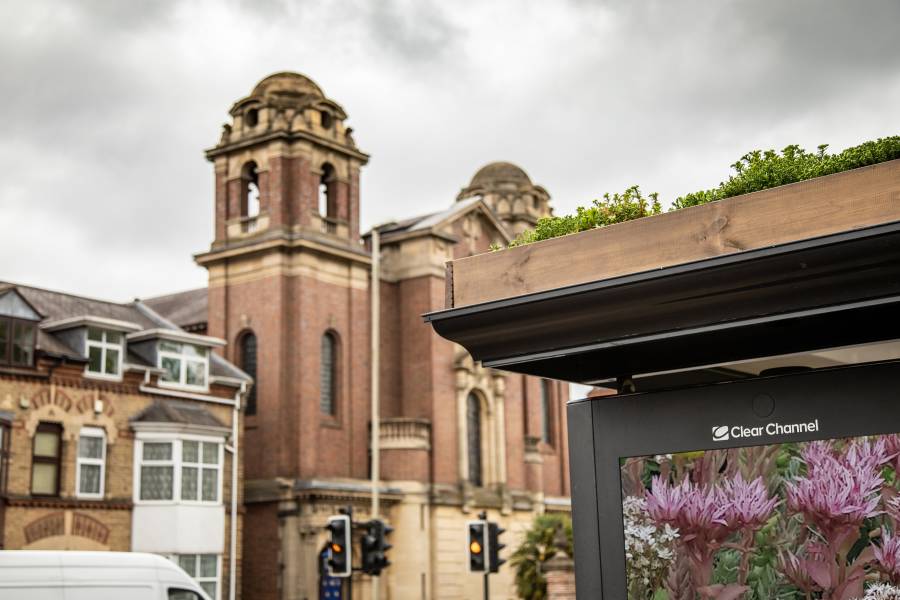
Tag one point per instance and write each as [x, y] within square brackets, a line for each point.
[106, 107]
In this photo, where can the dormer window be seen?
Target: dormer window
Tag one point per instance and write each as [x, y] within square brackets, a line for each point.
[16, 342]
[18, 330]
[183, 364]
[104, 351]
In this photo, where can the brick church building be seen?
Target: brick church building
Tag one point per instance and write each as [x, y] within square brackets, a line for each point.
[289, 280]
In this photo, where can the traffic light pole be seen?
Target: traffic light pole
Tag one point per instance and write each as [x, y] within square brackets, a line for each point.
[487, 571]
[375, 442]
[349, 512]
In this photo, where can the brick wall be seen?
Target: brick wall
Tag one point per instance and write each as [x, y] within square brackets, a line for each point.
[261, 563]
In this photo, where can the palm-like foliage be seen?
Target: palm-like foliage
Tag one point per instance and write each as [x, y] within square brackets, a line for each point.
[538, 547]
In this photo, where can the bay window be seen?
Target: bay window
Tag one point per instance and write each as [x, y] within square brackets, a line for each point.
[199, 471]
[104, 351]
[203, 568]
[183, 364]
[183, 470]
[90, 469]
[157, 471]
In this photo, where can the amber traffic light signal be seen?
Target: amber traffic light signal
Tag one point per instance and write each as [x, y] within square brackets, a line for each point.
[339, 546]
[477, 548]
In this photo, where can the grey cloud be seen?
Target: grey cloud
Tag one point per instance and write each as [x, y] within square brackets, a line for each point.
[412, 31]
[107, 106]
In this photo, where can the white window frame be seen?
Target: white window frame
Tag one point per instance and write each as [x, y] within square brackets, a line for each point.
[183, 358]
[139, 463]
[201, 466]
[217, 579]
[95, 432]
[176, 462]
[104, 345]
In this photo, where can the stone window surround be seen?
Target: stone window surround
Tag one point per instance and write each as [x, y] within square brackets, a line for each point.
[489, 386]
[176, 438]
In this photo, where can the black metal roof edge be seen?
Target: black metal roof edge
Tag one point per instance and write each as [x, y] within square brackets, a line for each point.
[662, 272]
[499, 363]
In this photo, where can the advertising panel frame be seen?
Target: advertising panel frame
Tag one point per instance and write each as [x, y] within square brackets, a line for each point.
[849, 401]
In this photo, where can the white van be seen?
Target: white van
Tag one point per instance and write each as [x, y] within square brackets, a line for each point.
[71, 575]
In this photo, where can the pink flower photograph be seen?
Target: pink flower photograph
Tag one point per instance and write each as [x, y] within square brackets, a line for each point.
[791, 521]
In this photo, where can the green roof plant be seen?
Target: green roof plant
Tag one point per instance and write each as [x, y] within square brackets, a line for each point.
[755, 171]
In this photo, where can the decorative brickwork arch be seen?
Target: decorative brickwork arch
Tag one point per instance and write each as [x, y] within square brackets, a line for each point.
[55, 406]
[66, 530]
[51, 406]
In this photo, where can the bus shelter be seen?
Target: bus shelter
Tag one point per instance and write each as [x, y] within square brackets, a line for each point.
[751, 344]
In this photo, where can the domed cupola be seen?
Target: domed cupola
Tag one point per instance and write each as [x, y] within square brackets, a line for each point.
[286, 166]
[509, 192]
[288, 103]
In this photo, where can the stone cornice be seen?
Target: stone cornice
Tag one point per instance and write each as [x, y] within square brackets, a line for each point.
[288, 136]
[281, 241]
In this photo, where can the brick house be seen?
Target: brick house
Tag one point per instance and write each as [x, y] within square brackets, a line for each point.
[118, 432]
[289, 281]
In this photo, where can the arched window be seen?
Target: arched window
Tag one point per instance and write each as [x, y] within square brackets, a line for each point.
[326, 203]
[252, 117]
[545, 412]
[473, 434]
[248, 364]
[250, 190]
[328, 376]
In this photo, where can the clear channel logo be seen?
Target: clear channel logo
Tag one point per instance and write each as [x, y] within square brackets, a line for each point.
[723, 433]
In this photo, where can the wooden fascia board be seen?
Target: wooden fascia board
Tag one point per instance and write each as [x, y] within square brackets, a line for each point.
[826, 205]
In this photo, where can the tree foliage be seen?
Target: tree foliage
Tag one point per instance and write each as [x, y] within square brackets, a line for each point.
[755, 171]
[537, 547]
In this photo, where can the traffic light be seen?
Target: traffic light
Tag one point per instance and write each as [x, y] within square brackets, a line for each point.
[494, 545]
[375, 547]
[478, 543]
[340, 546]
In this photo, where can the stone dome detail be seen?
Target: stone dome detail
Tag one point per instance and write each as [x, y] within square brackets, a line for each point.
[290, 103]
[287, 85]
[500, 172]
[509, 192]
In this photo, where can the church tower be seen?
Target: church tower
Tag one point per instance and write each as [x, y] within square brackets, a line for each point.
[288, 290]
[288, 276]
